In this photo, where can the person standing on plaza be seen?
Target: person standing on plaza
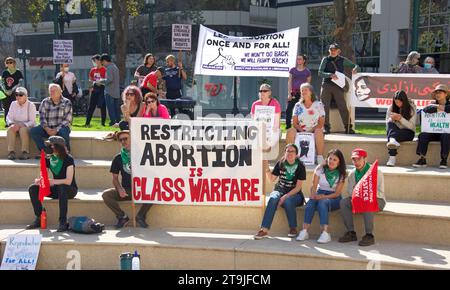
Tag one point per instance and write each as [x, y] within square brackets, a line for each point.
[331, 64]
[11, 78]
[68, 83]
[144, 69]
[297, 76]
[112, 90]
[97, 90]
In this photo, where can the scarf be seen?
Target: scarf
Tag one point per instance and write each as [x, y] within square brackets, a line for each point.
[125, 154]
[360, 174]
[290, 169]
[332, 176]
[11, 71]
[56, 164]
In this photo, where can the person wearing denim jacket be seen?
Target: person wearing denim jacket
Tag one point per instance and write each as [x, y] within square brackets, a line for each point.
[291, 173]
[328, 183]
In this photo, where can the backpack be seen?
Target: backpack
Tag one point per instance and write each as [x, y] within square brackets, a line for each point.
[85, 225]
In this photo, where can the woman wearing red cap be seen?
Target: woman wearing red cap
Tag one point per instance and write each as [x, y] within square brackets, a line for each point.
[359, 160]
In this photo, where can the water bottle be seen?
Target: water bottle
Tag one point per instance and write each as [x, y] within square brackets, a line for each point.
[125, 261]
[135, 262]
[44, 219]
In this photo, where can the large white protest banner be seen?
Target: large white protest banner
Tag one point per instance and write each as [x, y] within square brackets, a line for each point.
[222, 55]
[62, 51]
[435, 123]
[21, 252]
[181, 36]
[376, 90]
[206, 162]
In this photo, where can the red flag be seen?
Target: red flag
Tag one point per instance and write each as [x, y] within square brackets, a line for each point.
[44, 184]
[364, 196]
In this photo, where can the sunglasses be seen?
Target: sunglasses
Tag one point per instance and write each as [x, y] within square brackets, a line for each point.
[130, 94]
[9, 62]
[20, 95]
[151, 101]
[264, 91]
[123, 139]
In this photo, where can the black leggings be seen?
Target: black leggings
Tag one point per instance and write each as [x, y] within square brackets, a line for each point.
[61, 192]
[96, 96]
[400, 135]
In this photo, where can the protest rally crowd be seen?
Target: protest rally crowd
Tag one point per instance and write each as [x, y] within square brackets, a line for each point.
[306, 112]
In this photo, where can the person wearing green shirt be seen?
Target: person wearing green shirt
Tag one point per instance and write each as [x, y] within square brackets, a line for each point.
[331, 64]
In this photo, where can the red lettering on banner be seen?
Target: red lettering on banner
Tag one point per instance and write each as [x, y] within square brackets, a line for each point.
[139, 189]
[254, 190]
[234, 190]
[167, 194]
[180, 195]
[205, 191]
[225, 187]
[195, 190]
[215, 186]
[383, 102]
[223, 190]
[156, 190]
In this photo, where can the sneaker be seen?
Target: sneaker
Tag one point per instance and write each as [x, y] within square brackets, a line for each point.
[324, 238]
[34, 225]
[348, 237]
[122, 222]
[443, 164]
[422, 162]
[391, 161]
[367, 240]
[12, 155]
[63, 227]
[261, 234]
[25, 156]
[303, 236]
[320, 159]
[141, 222]
[293, 233]
[392, 144]
[116, 125]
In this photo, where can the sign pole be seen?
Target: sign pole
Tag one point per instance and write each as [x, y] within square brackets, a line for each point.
[263, 208]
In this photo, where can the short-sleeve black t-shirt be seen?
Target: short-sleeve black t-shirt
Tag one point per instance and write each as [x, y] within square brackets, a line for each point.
[143, 70]
[117, 166]
[11, 80]
[68, 161]
[286, 181]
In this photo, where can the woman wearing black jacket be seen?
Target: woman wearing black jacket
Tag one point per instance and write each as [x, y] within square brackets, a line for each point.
[442, 96]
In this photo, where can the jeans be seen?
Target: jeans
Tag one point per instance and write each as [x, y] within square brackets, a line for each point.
[289, 205]
[62, 192]
[38, 133]
[425, 138]
[323, 206]
[113, 106]
[400, 135]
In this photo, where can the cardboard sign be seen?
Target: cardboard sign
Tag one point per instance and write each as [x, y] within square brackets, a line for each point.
[62, 51]
[435, 123]
[306, 147]
[181, 36]
[21, 252]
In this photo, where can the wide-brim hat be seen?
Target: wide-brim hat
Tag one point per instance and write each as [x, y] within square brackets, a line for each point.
[122, 132]
[441, 87]
[56, 140]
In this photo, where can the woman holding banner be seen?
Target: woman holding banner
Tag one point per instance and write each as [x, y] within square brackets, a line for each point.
[309, 116]
[287, 192]
[400, 124]
[328, 183]
[442, 96]
[63, 185]
[297, 76]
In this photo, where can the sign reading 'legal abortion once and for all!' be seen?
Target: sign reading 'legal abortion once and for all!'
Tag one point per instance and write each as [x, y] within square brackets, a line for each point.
[269, 55]
[377, 90]
[62, 51]
[436, 122]
[196, 162]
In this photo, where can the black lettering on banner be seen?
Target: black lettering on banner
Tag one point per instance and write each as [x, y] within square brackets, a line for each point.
[161, 159]
[147, 155]
[165, 132]
[204, 149]
[174, 155]
[144, 132]
[154, 132]
[188, 154]
[218, 162]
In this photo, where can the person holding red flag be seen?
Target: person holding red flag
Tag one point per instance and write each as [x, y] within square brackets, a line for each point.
[63, 185]
[363, 179]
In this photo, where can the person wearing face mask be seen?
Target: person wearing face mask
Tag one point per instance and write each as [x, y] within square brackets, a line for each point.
[411, 65]
[11, 79]
[97, 91]
[68, 83]
[428, 66]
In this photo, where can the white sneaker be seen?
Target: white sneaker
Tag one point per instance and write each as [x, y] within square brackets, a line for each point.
[324, 238]
[303, 235]
[392, 144]
[391, 161]
[320, 159]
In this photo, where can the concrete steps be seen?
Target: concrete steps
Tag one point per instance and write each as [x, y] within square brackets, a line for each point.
[401, 183]
[400, 221]
[232, 250]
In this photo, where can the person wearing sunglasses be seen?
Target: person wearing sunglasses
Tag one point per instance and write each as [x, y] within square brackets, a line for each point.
[63, 186]
[132, 103]
[20, 119]
[153, 108]
[121, 191]
[11, 78]
[291, 174]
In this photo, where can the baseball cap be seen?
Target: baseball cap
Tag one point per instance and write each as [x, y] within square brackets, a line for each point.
[21, 90]
[265, 87]
[358, 153]
[334, 45]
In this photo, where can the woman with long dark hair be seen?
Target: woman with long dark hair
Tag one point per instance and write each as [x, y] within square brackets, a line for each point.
[328, 183]
[400, 123]
[63, 185]
[144, 69]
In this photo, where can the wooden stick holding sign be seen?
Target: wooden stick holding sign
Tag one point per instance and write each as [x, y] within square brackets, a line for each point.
[180, 61]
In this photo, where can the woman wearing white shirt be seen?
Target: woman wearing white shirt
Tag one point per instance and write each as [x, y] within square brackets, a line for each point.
[21, 117]
[67, 81]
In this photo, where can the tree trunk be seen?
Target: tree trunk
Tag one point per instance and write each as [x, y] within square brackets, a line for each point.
[120, 17]
[345, 17]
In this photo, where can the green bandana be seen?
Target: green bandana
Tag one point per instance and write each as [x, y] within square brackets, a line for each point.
[290, 170]
[125, 154]
[11, 71]
[360, 174]
[332, 176]
[56, 164]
